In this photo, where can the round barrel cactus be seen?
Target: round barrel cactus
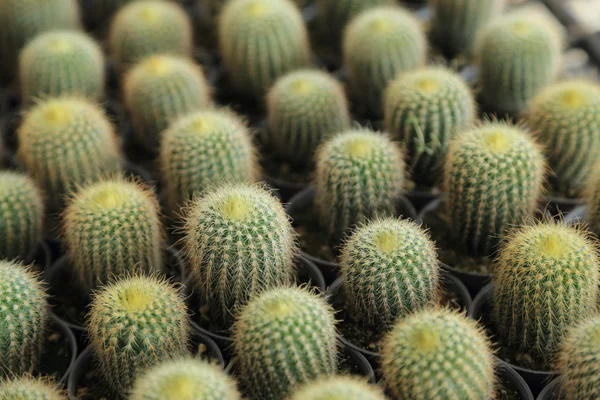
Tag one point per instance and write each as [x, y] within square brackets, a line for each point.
[30, 388]
[338, 387]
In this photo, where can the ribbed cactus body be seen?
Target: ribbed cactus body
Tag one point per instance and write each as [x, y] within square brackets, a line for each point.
[378, 45]
[21, 224]
[546, 280]
[134, 324]
[563, 119]
[424, 110]
[304, 109]
[66, 142]
[23, 319]
[284, 338]
[339, 387]
[238, 242]
[591, 197]
[438, 354]
[359, 176]
[517, 56]
[259, 41]
[204, 149]
[390, 269]
[493, 178]
[160, 90]
[28, 388]
[185, 379]
[147, 27]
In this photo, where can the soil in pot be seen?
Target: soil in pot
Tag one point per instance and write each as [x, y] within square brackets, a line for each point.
[58, 352]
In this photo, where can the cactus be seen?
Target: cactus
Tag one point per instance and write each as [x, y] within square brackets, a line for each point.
[304, 109]
[21, 225]
[339, 387]
[22, 20]
[238, 242]
[456, 23]
[149, 27]
[546, 279]
[134, 324]
[29, 388]
[260, 40]
[185, 379]
[161, 89]
[563, 118]
[283, 338]
[438, 354]
[591, 196]
[61, 63]
[378, 45]
[112, 229]
[424, 109]
[203, 149]
[493, 179]
[359, 176]
[518, 55]
[23, 319]
[390, 269]
[66, 142]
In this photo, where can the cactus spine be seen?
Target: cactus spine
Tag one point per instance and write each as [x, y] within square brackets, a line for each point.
[338, 387]
[284, 338]
[29, 388]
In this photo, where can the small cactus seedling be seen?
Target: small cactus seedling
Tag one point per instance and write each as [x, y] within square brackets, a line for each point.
[261, 40]
[438, 354]
[29, 388]
[185, 379]
[23, 319]
[424, 109]
[546, 279]
[517, 56]
[390, 269]
[493, 178]
[283, 338]
[148, 27]
[134, 324]
[378, 45]
[22, 216]
[161, 89]
[66, 142]
[563, 118]
[338, 387]
[112, 229]
[304, 109]
[360, 176]
[238, 242]
[61, 63]
[203, 149]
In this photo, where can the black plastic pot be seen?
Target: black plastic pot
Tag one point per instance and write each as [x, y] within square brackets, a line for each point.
[58, 325]
[560, 205]
[513, 380]
[421, 198]
[536, 380]
[577, 215]
[286, 189]
[551, 392]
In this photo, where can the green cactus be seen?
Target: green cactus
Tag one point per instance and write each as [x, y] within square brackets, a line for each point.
[134, 324]
[545, 280]
[338, 387]
[21, 225]
[438, 354]
[304, 108]
[390, 269]
[493, 179]
[283, 338]
[29, 388]
[359, 176]
[22, 20]
[66, 142]
[260, 40]
[518, 55]
[591, 196]
[112, 229]
[563, 118]
[149, 27]
[378, 45]
[160, 90]
[185, 379]
[203, 149]
[238, 242]
[455, 23]
[61, 63]
[23, 319]
[424, 109]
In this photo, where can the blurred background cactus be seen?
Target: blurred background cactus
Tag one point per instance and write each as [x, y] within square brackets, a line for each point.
[338, 387]
[591, 196]
[30, 388]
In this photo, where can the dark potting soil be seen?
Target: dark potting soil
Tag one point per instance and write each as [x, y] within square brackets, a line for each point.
[505, 391]
[283, 170]
[313, 239]
[56, 354]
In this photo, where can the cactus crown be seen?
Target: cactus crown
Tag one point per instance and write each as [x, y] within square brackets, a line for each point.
[338, 388]
[30, 388]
